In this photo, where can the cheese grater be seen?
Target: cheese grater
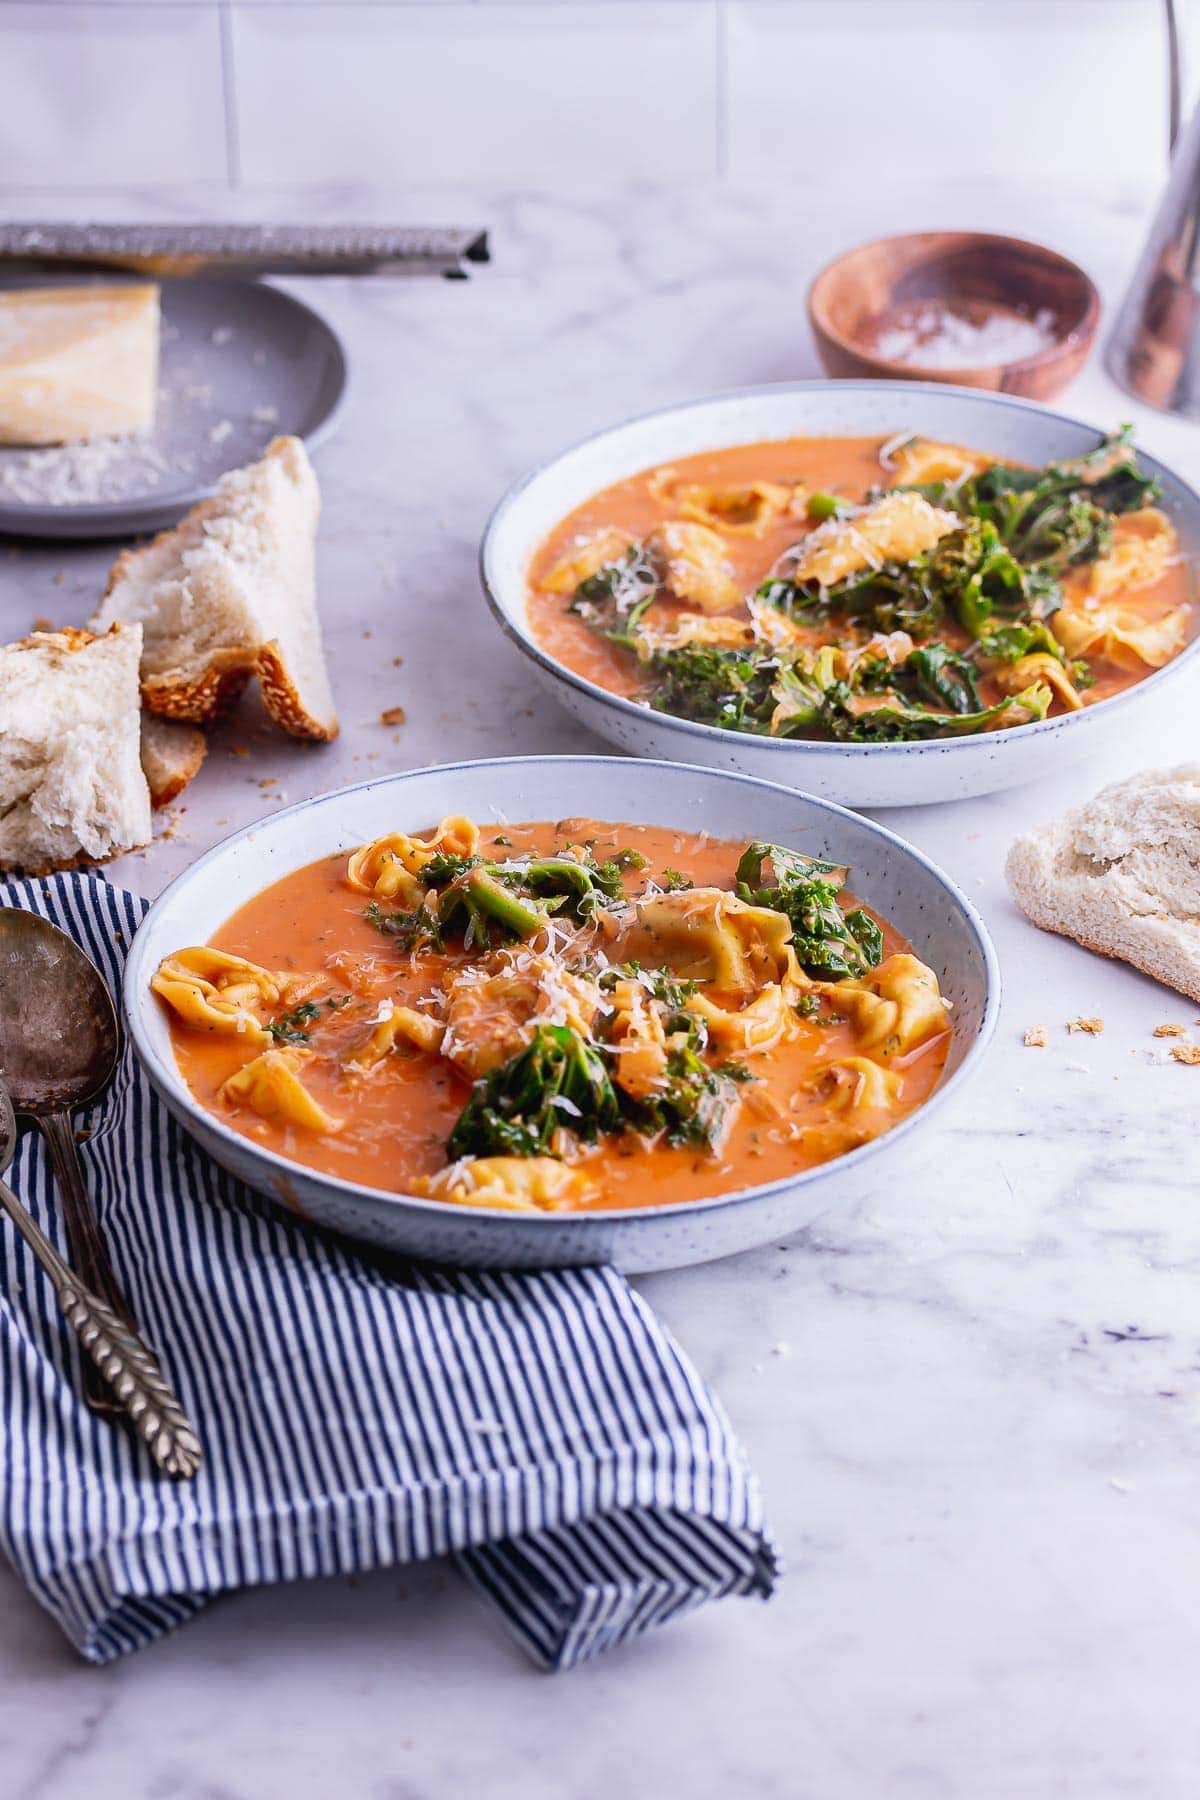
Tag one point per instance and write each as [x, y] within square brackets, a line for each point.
[182, 250]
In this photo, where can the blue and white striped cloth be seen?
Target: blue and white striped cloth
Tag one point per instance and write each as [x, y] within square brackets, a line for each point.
[544, 1429]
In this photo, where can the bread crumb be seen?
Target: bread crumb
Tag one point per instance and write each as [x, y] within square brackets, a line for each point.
[1186, 1053]
[1093, 1027]
[1170, 1031]
[40, 624]
[238, 750]
[395, 715]
[1035, 1038]
[396, 661]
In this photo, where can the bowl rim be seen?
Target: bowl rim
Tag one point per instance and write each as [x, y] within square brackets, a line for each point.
[166, 1077]
[1064, 344]
[799, 747]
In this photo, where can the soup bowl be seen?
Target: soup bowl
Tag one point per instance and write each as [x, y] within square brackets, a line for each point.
[904, 774]
[903, 885]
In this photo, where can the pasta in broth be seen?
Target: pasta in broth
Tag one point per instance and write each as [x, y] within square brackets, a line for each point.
[866, 592]
[556, 1017]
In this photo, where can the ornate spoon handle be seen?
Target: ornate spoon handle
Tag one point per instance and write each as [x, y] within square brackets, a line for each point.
[88, 1254]
[130, 1369]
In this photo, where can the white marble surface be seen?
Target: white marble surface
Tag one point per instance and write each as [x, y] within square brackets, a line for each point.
[980, 1448]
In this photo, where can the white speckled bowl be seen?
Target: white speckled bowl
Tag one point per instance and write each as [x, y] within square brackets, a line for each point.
[941, 924]
[854, 774]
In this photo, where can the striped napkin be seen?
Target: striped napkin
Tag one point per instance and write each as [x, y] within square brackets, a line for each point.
[542, 1428]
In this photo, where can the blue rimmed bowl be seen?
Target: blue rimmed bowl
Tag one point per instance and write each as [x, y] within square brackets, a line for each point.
[942, 925]
[853, 774]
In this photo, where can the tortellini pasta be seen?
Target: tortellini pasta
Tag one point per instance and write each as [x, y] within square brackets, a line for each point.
[699, 628]
[271, 1087]
[856, 1084]
[213, 991]
[708, 934]
[511, 1183]
[1095, 620]
[388, 867]
[1121, 633]
[586, 560]
[764, 1022]
[894, 529]
[397, 1025]
[920, 460]
[1014, 678]
[1143, 548]
[492, 1007]
[894, 1008]
[694, 565]
[737, 511]
[638, 1041]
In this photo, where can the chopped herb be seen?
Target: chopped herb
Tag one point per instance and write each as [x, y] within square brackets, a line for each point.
[289, 1027]
[674, 882]
[411, 930]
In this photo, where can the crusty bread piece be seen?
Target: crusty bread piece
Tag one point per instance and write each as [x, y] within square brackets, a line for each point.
[171, 754]
[1121, 875]
[71, 784]
[230, 592]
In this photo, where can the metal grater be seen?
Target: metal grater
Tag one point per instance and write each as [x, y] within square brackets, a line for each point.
[181, 250]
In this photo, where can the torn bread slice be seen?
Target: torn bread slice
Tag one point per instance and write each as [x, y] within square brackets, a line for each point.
[171, 754]
[71, 783]
[1121, 875]
[231, 592]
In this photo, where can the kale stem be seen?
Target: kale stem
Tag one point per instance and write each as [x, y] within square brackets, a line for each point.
[495, 899]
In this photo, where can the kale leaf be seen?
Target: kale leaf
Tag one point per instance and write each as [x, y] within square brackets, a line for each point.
[558, 1080]
[829, 943]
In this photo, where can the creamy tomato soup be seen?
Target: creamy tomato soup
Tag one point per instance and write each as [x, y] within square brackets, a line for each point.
[557, 1016]
[951, 593]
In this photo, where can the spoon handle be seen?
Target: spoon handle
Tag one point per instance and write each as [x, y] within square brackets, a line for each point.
[118, 1354]
[88, 1253]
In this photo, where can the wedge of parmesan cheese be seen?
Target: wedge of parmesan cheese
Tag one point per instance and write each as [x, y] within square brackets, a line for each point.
[77, 363]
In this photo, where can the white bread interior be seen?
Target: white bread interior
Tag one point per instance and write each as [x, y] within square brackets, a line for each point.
[71, 783]
[171, 754]
[1121, 875]
[231, 592]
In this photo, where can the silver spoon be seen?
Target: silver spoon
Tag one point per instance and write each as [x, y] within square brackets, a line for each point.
[59, 1048]
[59, 1045]
[115, 1350]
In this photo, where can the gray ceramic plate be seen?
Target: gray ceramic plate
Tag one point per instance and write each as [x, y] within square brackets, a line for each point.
[941, 923]
[854, 774]
[241, 362]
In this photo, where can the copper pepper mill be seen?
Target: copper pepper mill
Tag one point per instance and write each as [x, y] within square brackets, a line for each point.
[1154, 349]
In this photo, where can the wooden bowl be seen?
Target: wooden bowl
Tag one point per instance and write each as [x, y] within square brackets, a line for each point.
[868, 290]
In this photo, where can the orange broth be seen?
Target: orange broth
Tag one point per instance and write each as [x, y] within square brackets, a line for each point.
[397, 1119]
[847, 467]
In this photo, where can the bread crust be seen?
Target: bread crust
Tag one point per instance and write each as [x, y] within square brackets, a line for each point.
[204, 686]
[188, 748]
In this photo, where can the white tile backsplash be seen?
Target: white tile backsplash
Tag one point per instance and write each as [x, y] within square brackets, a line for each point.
[102, 95]
[818, 93]
[578, 91]
[946, 89]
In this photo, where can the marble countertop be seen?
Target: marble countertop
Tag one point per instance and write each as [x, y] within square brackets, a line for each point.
[972, 1398]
